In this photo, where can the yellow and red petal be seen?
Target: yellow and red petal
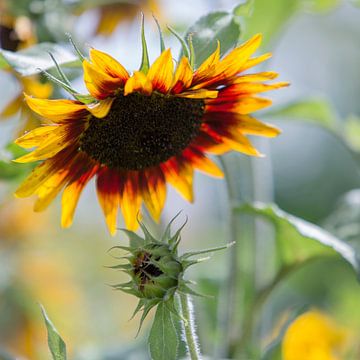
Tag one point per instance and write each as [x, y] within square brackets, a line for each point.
[199, 94]
[161, 72]
[85, 171]
[179, 174]
[153, 191]
[209, 144]
[99, 84]
[108, 191]
[108, 65]
[130, 199]
[243, 105]
[255, 61]
[183, 76]
[201, 162]
[257, 77]
[138, 83]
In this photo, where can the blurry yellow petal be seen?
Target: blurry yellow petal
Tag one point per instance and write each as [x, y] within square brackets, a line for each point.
[130, 200]
[12, 107]
[35, 137]
[240, 143]
[161, 72]
[108, 65]
[102, 108]
[199, 94]
[138, 83]
[32, 85]
[108, 188]
[153, 190]
[183, 76]
[99, 84]
[56, 110]
[72, 193]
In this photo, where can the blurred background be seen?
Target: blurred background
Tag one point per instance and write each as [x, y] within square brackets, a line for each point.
[311, 171]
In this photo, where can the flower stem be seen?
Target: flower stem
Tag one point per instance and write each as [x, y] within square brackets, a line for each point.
[189, 327]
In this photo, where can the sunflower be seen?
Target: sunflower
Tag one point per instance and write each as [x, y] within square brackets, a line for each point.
[145, 130]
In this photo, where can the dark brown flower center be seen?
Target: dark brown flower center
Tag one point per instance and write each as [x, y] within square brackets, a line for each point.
[142, 131]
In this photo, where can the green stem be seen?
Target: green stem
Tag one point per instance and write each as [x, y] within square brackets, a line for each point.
[189, 327]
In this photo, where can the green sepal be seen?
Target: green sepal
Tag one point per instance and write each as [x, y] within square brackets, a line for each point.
[176, 238]
[78, 52]
[187, 263]
[184, 46]
[124, 267]
[148, 305]
[135, 240]
[145, 64]
[148, 237]
[161, 36]
[59, 70]
[183, 288]
[166, 237]
[192, 50]
[206, 251]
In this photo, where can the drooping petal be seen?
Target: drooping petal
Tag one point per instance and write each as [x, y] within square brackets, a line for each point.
[109, 65]
[12, 108]
[102, 108]
[183, 76]
[85, 171]
[57, 110]
[99, 84]
[179, 174]
[138, 83]
[161, 72]
[130, 199]
[153, 190]
[108, 191]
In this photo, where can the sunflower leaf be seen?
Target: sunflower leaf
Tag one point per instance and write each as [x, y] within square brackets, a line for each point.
[216, 26]
[56, 343]
[299, 240]
[30, 61]
[163, 338]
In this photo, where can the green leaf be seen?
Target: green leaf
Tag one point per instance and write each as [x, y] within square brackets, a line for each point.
[10, 170]
[56, 343]
[316, 110]
[30, 61]
[163, 339]
[215, 26]
[299, 240]
[245, 8]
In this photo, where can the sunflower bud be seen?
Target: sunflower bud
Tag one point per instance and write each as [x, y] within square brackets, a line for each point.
[156, 270]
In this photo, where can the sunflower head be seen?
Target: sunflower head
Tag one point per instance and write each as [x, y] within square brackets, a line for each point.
[155, 268]
[137, 131]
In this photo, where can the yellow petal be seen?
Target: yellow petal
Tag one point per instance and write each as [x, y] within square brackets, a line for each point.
[253, 88]
[56, 110]
[35, 137]
[108, 65]
[32, 85]
[255, 61]
[179, 173]
[161, 72]
[199, 94]
[102, 108]
[138, 83]
[153, 190]
[183, 76]
[261, 76]
[99, 84]
[73, 191]
[108, 188]
[207, 68]
[130, 200]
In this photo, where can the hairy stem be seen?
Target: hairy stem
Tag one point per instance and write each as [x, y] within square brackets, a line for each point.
[189, 327]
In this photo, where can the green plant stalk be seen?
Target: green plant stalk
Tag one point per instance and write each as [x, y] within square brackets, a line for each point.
[189, 327]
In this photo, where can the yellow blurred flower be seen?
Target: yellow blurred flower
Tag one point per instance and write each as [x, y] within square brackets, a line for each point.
[314, 336]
